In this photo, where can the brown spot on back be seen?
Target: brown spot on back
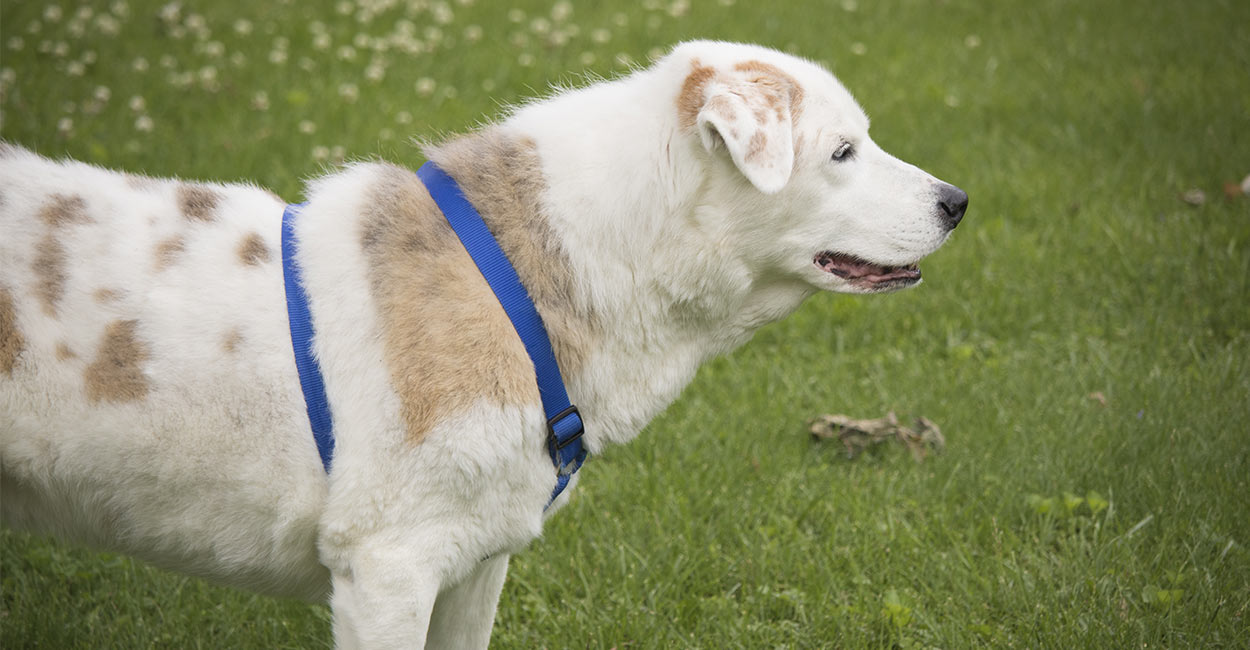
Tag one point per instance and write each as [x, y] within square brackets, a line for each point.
[252, 250]
[50, 274]
[198, 202]
[63, 210]
[116, 375]
[232, 340]
[11, 341]
[105, 296]
[447, 340]
[168, 250]
[63, 352]
[690, 100]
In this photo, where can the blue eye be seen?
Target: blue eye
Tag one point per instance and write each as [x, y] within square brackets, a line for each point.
[844, 152]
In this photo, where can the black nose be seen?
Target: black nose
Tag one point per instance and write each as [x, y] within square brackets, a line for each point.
[953, 202]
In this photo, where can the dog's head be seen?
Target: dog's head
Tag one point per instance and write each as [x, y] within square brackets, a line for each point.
[800, 184]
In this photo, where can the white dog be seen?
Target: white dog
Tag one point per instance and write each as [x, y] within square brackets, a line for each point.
[149, 402]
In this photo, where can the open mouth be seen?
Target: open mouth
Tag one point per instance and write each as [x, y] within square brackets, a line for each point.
[866, 275]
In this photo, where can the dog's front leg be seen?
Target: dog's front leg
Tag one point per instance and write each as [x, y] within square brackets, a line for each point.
[464, 614]
[382, 599]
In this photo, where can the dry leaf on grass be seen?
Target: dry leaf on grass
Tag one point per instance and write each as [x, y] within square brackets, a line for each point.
[859, 435]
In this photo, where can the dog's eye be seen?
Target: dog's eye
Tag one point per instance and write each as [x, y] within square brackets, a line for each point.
[843, 152]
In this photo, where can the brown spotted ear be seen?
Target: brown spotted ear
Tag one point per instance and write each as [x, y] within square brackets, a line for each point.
[751, 115]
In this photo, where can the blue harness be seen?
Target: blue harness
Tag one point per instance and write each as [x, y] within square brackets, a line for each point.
[564, 423]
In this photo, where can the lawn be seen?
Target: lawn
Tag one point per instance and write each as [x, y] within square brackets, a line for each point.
[1083, 340]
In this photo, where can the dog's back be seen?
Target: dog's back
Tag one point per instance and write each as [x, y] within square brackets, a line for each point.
[140, 319]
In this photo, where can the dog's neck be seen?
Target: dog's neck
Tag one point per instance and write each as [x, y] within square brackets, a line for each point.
[652, 297]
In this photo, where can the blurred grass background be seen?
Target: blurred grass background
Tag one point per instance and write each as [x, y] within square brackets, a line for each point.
[1083, 340]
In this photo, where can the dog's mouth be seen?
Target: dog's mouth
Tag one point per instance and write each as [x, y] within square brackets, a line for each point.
[866, 275]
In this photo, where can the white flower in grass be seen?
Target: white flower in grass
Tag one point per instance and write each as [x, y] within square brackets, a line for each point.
[52, 13]
[140, 64]
[620, 19]
[168, 61]
[972, 41]
[725, 3]
[361, 41]
[403, 117]
[34, 27]
[208, 75]
[243, 27]
[601, 36]
[338, 153]
[558, 38]
[16, 43]
[679, 8]
[442, 13]
[102, 93]
[433, 35]
[516, 15]
[473, 33]
[655, 54]
[120, 9]
[137, 104]
[65, 125]
[349, 92]
[587, 58]
[322, 41]
[540, 25]
[84, 13]
[488, 85]
[850, 5]
[654, 22]
[8, 76]
[260, 101]
[170, 12]
[76, 28]
[60, 49]
[307, 127]
[344, 8]
[306, 64]
[238, 59]
[561, 11]
[858, 48]
[75, 69]
[89, 57]
[346, 53]
[465, 3]
[317, 27]
[144, 124]
[386, 134]
[651, 5]
[525, 59]
[375, 72]
[214, 49]
[277, 57]
[425, 86]
[624, 60]
[320, 153]
[108, 25]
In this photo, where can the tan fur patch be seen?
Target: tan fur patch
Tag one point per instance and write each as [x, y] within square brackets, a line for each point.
[105, 296]
[231, 341]
[49, 268]
[63, 352]
[690, 100]
[252, 250]
[759, 141]
[198, 202]
[168, 250]
[448, 341]
[116, 375]
[11, 341]
[776, 78]
[63, 210]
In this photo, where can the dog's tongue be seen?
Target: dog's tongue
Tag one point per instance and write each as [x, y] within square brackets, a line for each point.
[853, 268]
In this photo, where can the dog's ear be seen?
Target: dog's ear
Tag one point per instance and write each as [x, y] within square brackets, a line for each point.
[751, 116]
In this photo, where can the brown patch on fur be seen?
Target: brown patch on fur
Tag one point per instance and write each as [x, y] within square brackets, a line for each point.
[11, 340]
[252, 250]
[168, 250]
[63, 210]
[778, 80]
[63, 352]
[116, 375]
[105, 296]
[198, 202]
[756, 146]
[448, 342]
[690, 100]
[232, 340]
[49, 268]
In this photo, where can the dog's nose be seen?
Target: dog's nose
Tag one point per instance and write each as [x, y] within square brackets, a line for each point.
[954, 202]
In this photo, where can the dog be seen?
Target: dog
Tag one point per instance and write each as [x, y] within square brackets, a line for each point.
[149, 401]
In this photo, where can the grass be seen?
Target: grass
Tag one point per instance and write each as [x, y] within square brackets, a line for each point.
[1083, 341]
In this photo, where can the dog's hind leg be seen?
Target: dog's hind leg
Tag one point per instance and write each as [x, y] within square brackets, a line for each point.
[464, 614]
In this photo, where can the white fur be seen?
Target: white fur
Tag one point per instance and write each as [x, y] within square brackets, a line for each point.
[673, 236]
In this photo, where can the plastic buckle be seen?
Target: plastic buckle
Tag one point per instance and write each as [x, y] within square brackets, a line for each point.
[555, 441]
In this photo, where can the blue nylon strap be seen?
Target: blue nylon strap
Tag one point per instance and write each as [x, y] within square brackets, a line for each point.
[301, 339]
[564, 423]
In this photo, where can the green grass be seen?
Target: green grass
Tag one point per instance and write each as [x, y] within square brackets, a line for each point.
[1074, 126]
